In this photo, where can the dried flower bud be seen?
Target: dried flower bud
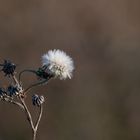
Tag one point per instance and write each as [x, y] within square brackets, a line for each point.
[14, 90]
[37, 100]
[8, 68]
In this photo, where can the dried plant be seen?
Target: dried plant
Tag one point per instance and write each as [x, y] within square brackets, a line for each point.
[55, 64]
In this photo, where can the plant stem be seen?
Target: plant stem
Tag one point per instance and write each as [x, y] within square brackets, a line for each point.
[34, 85]
[26, 70]
[14, 102]
[18, 104]
[24, 106]
[34, 135]
[39, 117]
[29, 117]
[15, 79]
[37, 123]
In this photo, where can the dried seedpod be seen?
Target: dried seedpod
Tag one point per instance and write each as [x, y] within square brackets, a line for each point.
[37, 100]
[8, 67]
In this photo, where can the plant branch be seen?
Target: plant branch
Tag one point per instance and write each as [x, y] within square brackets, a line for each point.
[37, 122]
[34, 85]
[18, 104]
[27, 112]
[15, 80]
[14, 102]
[34, 135]
[39, 117]
[20, 74]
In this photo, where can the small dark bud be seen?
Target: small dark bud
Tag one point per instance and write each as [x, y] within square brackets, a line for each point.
[14, 90]
[37, 100]
[8, 68]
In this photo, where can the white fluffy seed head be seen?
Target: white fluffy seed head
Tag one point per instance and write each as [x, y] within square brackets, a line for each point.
[58, 63]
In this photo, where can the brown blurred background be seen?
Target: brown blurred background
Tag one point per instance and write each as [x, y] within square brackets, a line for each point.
[102, 101]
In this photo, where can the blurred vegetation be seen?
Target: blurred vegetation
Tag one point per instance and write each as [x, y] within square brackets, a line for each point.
[102, 101]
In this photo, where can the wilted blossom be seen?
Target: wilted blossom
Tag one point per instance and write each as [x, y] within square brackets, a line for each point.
[37, 100]
[58, 64]
[8, 67]
[14, 90]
